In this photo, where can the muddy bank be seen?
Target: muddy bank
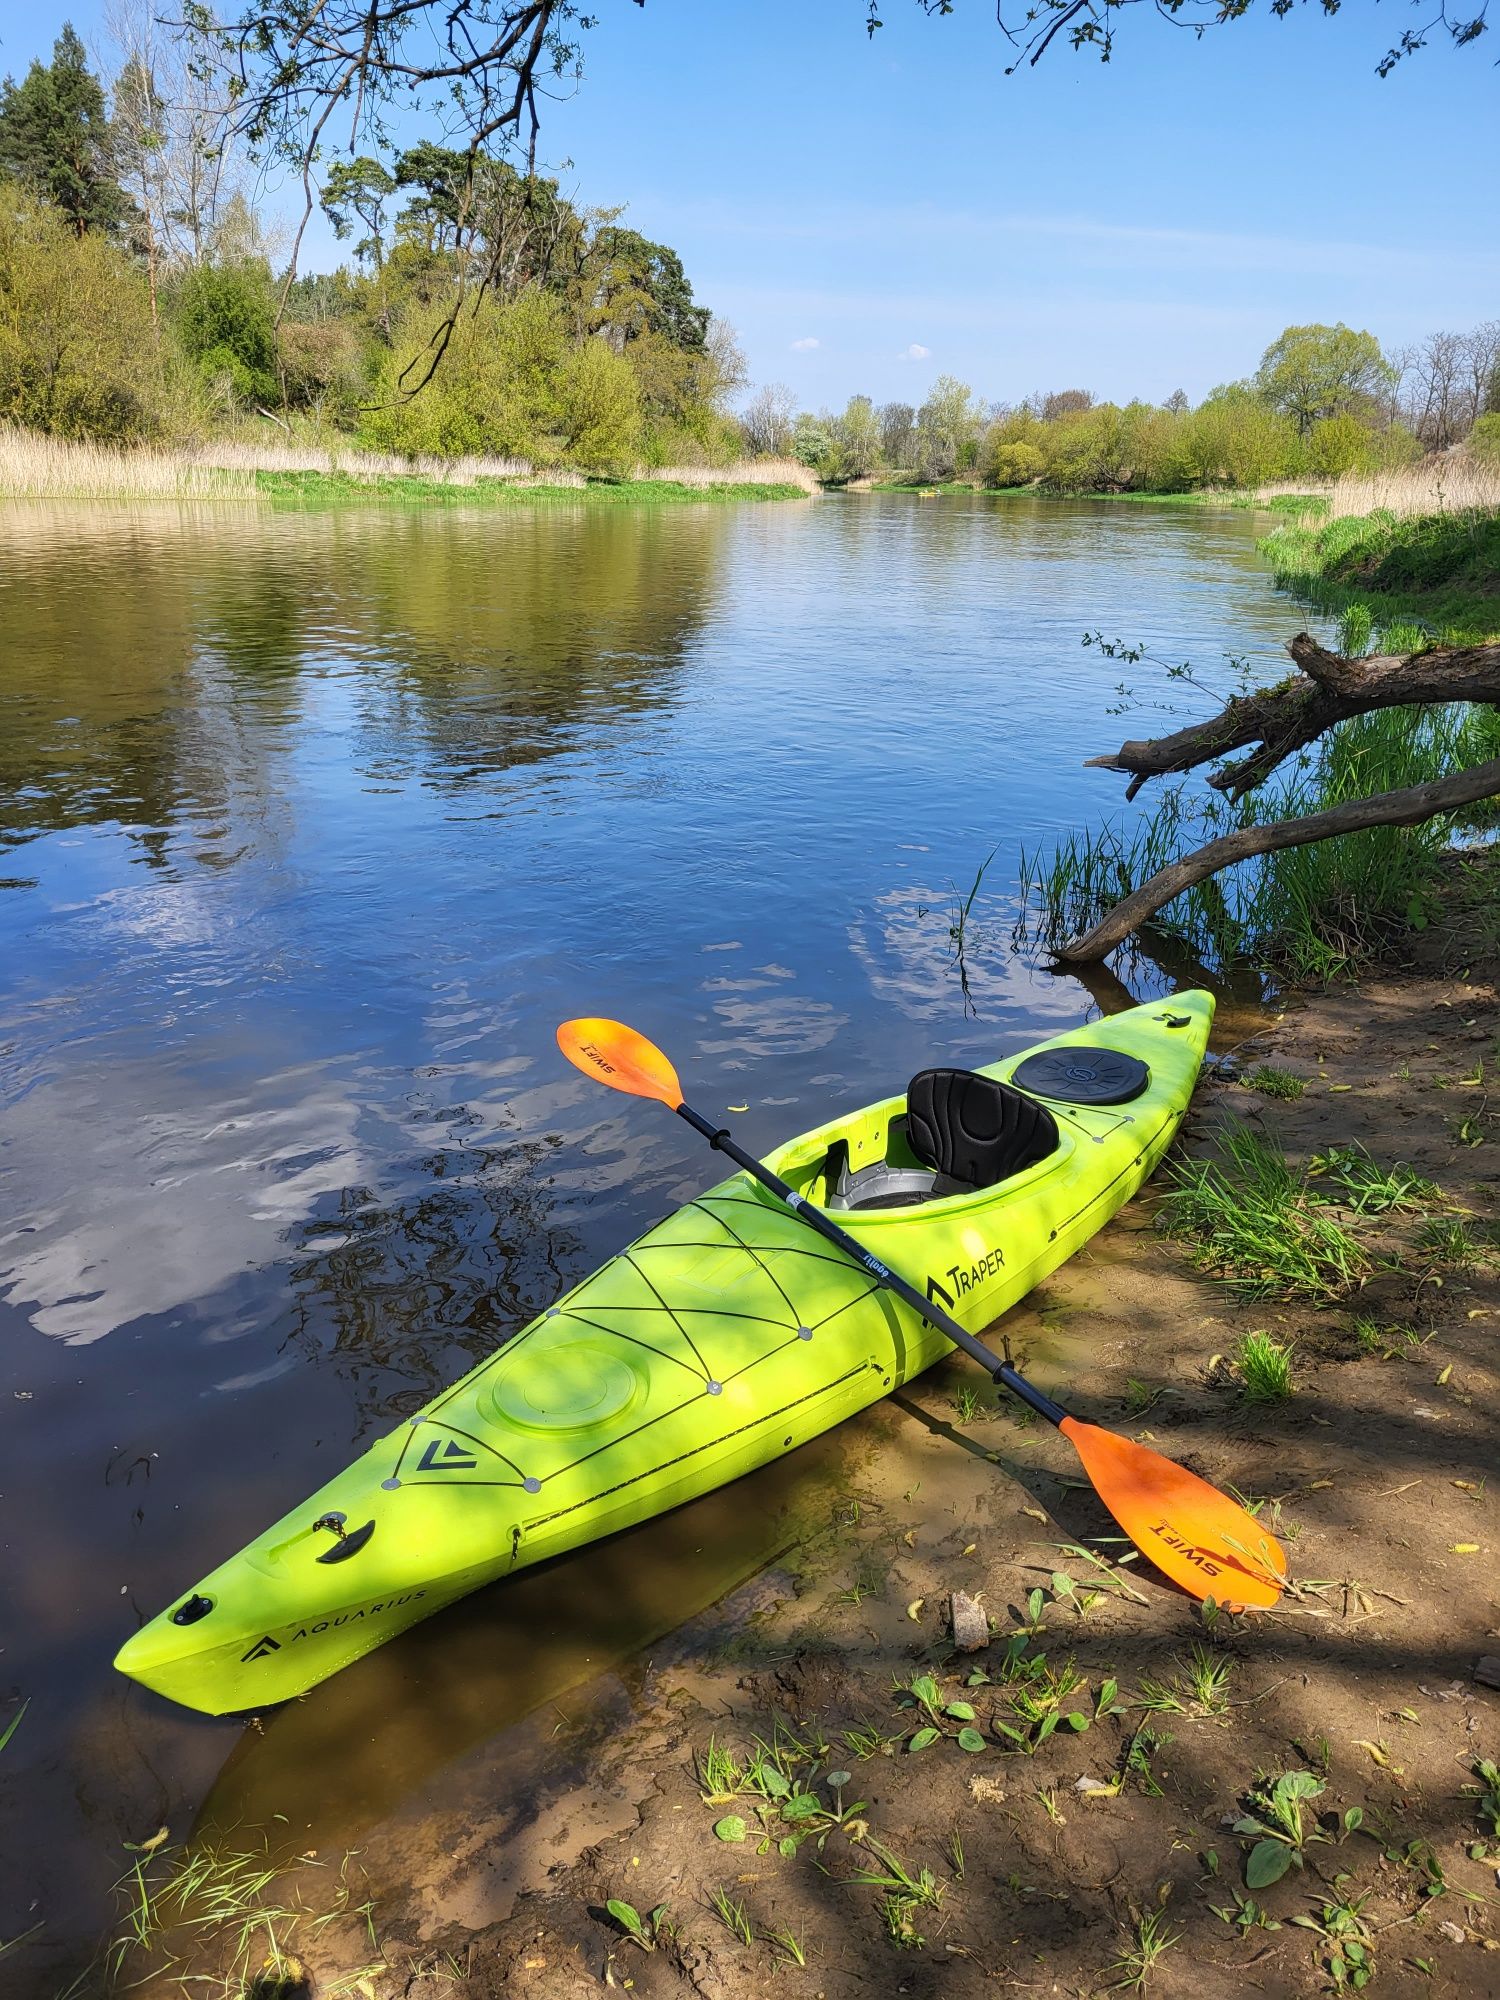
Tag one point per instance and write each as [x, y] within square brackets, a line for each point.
[1057, 1858]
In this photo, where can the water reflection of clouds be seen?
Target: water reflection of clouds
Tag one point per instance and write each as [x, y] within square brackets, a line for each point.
[908, 956]
[782, 1024]
[175, 1206]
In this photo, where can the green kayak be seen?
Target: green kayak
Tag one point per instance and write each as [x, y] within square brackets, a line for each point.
[726, 1336]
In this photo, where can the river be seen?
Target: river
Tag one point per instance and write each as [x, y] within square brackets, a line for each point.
[313, 824]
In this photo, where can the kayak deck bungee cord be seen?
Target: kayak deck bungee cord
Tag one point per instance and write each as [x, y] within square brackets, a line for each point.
[723, 1338]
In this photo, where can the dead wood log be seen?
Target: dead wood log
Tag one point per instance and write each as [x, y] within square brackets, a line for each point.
[1296, 712]
[1407, 807]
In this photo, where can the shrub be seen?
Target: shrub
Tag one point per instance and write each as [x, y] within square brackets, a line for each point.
[78, 357]
[226, 324]
[1013, 464]
[600, 408]
[497, 388]
[1484, 439]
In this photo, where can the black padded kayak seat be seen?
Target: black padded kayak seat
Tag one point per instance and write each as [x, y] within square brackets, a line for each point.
[964, 1131]
[1081, 1075]
[974, 1130]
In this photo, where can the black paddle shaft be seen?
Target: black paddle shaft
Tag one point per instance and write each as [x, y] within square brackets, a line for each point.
[997, 1370]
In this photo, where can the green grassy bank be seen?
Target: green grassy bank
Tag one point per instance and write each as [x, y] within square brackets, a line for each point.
[321, 488]
[1440, 572]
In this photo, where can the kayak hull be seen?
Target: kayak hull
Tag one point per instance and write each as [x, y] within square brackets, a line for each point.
[722, 1339]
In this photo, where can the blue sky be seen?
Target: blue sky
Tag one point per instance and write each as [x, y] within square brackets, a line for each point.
[871, 213]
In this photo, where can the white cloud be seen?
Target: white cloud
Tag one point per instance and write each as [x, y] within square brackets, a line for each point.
[804, 346]
[916, 352]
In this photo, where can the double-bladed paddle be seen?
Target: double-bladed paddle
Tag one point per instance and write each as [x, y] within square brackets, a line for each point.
[1197, 1536]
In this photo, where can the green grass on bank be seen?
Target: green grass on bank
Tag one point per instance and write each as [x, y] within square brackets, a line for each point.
[1440, 569]
[1316, 912]
[323, 487]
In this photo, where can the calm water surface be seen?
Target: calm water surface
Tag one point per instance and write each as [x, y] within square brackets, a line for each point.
[312, 826]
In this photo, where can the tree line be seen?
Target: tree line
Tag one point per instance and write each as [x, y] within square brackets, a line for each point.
[141, 295]
[1325, 400]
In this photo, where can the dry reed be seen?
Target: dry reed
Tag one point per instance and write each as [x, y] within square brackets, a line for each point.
[34, 467]
[1444, 485]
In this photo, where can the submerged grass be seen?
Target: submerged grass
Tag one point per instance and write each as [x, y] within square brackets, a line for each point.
[1316, 912]
[222, 1922]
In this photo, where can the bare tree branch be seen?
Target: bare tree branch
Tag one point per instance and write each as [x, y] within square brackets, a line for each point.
[1284, 718]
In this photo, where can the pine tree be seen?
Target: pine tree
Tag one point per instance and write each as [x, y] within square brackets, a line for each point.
[55, 138]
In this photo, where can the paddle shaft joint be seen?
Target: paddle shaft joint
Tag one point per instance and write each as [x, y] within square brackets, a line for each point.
[998, 1371]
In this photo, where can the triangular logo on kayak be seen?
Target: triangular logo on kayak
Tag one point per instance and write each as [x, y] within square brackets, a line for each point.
[446, 1455]
[260, 1649]
[939, 1292]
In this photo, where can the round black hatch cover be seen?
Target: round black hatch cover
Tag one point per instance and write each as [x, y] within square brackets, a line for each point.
[1082, 1075]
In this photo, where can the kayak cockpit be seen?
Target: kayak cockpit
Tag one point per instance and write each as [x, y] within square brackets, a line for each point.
[956, 1133]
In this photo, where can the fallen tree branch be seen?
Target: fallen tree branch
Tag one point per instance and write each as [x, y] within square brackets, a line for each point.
[1407, 807]
[1284, 718]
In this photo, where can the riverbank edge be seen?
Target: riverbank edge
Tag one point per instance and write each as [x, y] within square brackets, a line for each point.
[322, 489]
[1451, 585]
[34, 467]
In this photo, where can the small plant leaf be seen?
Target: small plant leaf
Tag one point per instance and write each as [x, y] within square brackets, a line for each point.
[970, 1739]
[787, 1844]
[774, 1784]
[837, 1779]
[730, 1827]
[925, 1688]
[626, 1916]
[961, 1711]
[1269, 1861]
[922, 1739]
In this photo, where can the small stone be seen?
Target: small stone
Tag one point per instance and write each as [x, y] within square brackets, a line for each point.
[971, 1629]
[1455, 1933]
[1487, 1670]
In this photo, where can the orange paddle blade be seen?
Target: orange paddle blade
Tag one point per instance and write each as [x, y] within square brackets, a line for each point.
[1194, 1534]
[611, 1053]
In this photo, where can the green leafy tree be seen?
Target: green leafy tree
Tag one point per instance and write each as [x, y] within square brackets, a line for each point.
[858, 434]
[1234, 439]
[77, 357]
[356, 192]
[1311, 373]
[1484, 439]
[949, 426]
[226, 324]
[55, 138]
[639, 287]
